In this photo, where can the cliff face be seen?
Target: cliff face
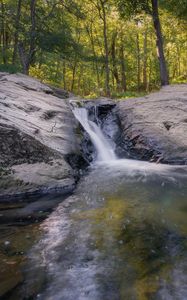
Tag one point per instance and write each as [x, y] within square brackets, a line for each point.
[36, 134]
[155, 126]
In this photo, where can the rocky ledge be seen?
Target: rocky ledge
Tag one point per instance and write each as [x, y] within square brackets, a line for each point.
[36, 137]
[155, 126]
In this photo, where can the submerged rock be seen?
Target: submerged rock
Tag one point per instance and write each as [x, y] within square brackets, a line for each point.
[36, 135]
[155, 126]
[13, 257]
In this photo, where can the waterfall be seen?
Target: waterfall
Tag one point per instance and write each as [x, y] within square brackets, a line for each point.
[104, 148]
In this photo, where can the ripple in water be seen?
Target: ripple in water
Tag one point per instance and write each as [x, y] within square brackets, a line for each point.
[118, 237]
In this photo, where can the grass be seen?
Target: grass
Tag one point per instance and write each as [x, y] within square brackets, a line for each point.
[122, 95]
[128, 94]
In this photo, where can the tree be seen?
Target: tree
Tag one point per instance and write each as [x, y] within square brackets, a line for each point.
[17, 30]
[26, 57]
[3, 33]
[123, 70]
[145, 61]
[101, 7]
[85, 46]
[127, 7]
[114, 60]
[162, 62]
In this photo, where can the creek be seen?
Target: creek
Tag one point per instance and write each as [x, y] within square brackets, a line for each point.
[122, 235]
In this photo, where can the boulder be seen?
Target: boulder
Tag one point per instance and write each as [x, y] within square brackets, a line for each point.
[37, 134]
[155, 126]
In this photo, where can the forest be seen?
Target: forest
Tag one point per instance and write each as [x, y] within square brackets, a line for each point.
[96, 48]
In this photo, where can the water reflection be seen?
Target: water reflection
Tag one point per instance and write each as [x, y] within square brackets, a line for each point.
[119, 237]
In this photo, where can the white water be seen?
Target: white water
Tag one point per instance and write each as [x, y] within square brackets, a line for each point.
[106, 155]
[105, 151]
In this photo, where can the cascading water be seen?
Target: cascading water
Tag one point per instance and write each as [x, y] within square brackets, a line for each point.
[105, 150]
[125, 221]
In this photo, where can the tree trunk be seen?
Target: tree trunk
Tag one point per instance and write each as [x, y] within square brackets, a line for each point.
[79, 80]
[40, 59]
[150, 75]
[16, 34]
[73, 74]
[33, 32]
[3, 34]
[64, 74]
[113, 53]
[123, 71]
[23, 58]
[179, 61]
[90, 34]
[138, 61]
[162, 62]
[78, 37]
[145, 62]
[27, 59]
[107, 69]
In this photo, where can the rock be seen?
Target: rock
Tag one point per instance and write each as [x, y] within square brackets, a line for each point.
[37, 134]
[26, 82]
[155, 126]
[60, 93]
[14, 258]
[31, 212]
[11, 278]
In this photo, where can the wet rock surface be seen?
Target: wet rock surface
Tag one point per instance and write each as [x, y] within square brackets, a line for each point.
[154, 127]
[37, 133]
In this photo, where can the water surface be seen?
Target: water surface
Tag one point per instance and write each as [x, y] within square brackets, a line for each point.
[121, 236]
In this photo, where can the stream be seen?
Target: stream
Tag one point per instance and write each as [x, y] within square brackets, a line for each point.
[122, 235]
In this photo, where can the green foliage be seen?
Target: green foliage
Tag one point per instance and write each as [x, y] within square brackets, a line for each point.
[56, 42]
[69, 49]
[10, 68]
[177, 7]
[129, 8]
[129, 94]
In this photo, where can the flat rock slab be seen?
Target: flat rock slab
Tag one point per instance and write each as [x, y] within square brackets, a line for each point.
[27, 104]
[37, 133]
[156, 125]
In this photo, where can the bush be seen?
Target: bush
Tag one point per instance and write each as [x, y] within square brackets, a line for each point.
[10, 69]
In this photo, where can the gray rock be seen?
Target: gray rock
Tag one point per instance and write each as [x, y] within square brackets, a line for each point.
[60, 93]
[36, 134]
[155, 126]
